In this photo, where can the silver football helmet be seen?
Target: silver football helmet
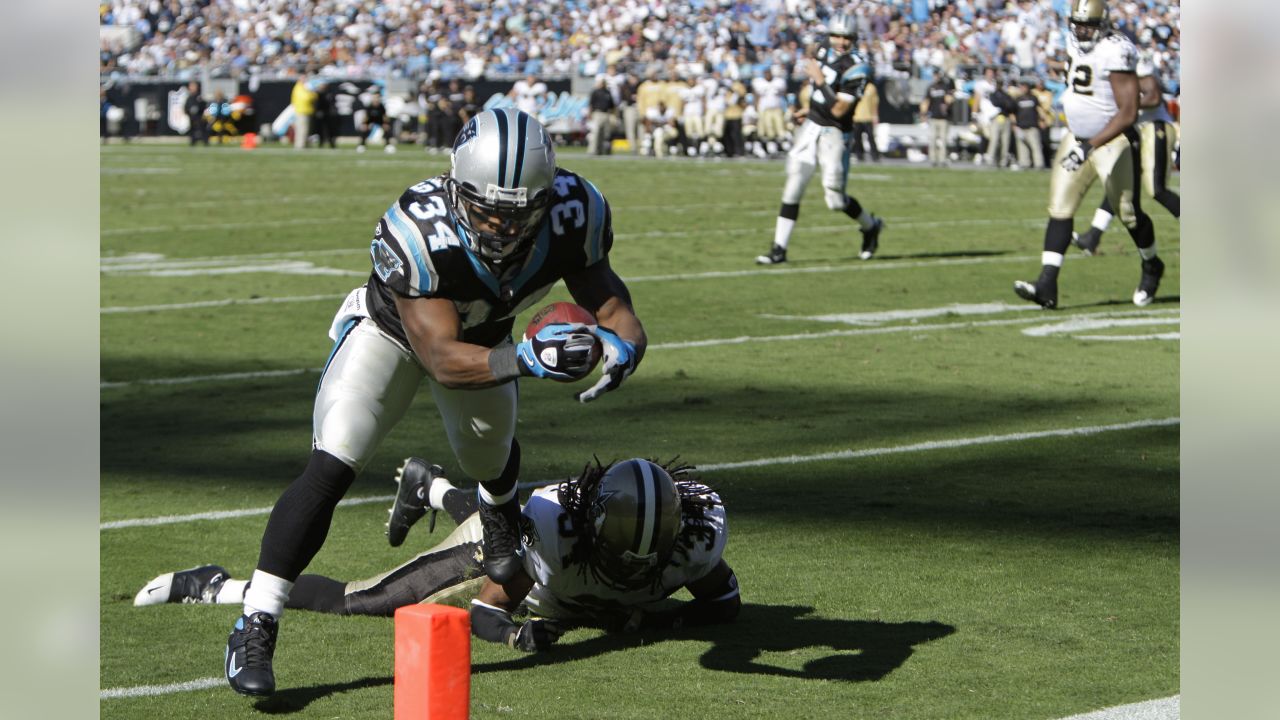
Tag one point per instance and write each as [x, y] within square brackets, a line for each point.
[503, 165]
[1087, 19]
[842, 24]
[635, 515]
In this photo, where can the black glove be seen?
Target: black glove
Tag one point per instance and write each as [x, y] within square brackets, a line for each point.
[536, 635]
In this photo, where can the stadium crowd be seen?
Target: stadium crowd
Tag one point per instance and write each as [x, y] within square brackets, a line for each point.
[513, 38]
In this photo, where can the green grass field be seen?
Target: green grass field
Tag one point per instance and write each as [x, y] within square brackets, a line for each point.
[903, 551]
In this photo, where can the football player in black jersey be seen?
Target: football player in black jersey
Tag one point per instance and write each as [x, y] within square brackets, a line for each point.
[838, 77]
[455, 259]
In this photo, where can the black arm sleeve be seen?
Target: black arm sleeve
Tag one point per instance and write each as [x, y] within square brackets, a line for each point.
[492, 624]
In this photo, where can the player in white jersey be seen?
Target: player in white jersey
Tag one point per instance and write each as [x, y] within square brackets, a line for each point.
[603, 549]
[693, 98]
[1159, 135]
[1101, 105]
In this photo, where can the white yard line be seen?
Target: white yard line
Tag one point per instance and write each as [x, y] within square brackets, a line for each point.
[153, 690]
[713, 342]
[1169, 708]
[134, 262]
[849, 454]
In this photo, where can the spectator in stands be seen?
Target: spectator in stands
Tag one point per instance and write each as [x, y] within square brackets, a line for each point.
[194, 107]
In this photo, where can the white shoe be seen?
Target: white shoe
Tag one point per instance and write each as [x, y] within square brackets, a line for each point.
[359, 148]
[390, 149]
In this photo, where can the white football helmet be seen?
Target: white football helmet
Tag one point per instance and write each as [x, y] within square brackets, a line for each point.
[1087, 19]
[503, 165]
[635, 517]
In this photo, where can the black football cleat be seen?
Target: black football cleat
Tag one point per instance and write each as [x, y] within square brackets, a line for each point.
[1152, 271]
[777, 255]
[250, 648]
[1088, 242]
[197, 585]
[503, 552]
[414, 479]
[871, 240]
[1043, 292]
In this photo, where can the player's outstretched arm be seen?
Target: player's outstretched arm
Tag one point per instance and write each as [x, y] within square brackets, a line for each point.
[491, 617]
[598, 289]
[715, 600]
[434, 330]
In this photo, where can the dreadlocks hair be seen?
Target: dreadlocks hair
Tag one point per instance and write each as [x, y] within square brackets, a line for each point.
[577, 493]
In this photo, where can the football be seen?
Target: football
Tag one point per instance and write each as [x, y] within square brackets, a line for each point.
[564, 312]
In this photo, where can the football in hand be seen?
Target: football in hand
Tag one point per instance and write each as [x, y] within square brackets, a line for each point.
[564, 312]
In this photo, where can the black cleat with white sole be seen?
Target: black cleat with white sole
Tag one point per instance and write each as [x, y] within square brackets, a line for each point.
[411, 503]
[776, 256]
[1088, 242]
[1044, 292]
[250, 648]
[197, 585]
[871, 240]
[1152, 271]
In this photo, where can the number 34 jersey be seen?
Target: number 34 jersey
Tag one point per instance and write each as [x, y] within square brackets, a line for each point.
[420, 250]
[1089, 101]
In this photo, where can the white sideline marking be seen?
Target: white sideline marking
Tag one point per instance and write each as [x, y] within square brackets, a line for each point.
[209, 378]
[1169, 708]
[713, 467]
[1131, 338]
[221, 514]
[152, 690]
[740, 340]
[132, 261]
[940, 445]
[1080, 323]
[875, 318]
[218, 303]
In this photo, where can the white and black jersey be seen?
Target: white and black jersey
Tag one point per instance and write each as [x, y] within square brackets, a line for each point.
[846, 74]
[564, 589]
[420, 250]
[1089, 102]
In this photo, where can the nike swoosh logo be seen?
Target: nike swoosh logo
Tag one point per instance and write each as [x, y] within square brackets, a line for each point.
[232, 670]
[153, 589]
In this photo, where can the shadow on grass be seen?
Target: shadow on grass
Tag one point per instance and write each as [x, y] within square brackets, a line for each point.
[292, 700]
[862, 650]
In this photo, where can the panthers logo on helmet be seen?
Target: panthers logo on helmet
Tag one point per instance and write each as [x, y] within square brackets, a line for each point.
[467, 135]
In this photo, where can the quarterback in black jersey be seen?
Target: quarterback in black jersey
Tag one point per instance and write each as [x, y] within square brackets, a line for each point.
[837, 77]
[455, 259]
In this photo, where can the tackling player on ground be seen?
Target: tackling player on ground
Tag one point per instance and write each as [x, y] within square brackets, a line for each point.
[1101, 105]
[837, 77]
[602, 549]
[455, 259]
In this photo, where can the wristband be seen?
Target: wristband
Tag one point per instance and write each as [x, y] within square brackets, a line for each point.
[503, 364]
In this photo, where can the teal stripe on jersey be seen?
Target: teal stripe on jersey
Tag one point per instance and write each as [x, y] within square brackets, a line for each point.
[595, 223]
[405, 232]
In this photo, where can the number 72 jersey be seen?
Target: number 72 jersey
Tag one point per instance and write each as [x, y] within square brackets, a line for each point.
[1089, 101]
[420, 250]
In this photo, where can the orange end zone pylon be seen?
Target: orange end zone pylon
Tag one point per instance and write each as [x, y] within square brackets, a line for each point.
[433, 663]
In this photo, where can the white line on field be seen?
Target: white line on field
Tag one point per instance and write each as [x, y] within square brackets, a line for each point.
[1169, 708]
[221, 514]
[740, 340]
[135, 262]
[152, 690]
[714, 467]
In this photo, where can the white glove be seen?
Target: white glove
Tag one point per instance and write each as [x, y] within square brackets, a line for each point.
[1076, 156]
